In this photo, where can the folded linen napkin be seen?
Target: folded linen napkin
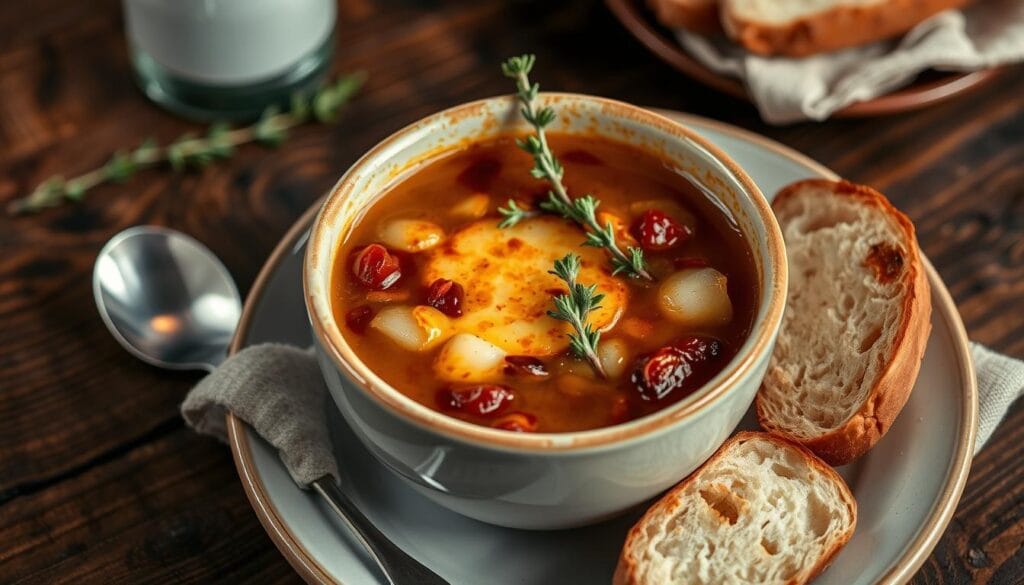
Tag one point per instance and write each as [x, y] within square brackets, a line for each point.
[988, 34]
[1000, 382]
[278, 390]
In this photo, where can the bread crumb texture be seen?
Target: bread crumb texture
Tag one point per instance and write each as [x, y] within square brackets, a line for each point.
[848, 284]
[761, 511]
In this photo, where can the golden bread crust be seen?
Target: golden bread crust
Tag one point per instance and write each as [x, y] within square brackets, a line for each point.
[829, 30]
[626, 570]
[886, 399]
[700, 17]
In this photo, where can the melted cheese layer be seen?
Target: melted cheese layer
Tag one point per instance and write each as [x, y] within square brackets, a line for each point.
[504, 272]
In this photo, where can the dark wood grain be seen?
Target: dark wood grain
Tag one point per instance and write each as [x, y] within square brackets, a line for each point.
[100, 481]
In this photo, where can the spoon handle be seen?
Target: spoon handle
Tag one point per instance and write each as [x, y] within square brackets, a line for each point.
[398, 567]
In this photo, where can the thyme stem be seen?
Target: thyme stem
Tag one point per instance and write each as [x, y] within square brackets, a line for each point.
[582, 210]
[188, 151]
[574, 307]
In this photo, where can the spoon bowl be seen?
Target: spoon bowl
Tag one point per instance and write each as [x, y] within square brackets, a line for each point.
[166, 298]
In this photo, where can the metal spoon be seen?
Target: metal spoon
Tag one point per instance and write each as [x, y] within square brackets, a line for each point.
[170, 302]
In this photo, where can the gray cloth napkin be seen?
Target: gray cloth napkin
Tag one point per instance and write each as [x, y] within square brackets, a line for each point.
[987, 34]
[278, 390]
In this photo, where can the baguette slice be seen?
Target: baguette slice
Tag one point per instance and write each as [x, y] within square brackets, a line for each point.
[856, 323]
[797, 28]
[761, 510]
[699, 16]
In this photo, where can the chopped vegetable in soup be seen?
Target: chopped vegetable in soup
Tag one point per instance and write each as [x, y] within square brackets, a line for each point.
[453, 310]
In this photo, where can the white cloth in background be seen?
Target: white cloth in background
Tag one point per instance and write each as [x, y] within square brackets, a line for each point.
[987, 34]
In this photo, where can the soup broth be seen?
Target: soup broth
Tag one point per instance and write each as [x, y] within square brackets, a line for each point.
[450, 309]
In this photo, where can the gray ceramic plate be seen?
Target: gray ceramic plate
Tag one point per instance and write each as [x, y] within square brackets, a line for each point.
[907, 487]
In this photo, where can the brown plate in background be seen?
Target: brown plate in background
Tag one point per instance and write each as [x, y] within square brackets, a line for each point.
[929, 88]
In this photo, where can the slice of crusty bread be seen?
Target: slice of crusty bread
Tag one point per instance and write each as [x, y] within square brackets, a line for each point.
[797, 28]
[856, 323]
[761, 510]
[699, 16]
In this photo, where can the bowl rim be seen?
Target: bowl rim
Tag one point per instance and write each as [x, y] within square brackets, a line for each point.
[759, 342]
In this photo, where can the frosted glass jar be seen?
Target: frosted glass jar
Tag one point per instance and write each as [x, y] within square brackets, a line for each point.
[228, 58]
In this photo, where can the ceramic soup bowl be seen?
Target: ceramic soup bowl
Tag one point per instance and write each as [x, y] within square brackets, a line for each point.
[537, 480]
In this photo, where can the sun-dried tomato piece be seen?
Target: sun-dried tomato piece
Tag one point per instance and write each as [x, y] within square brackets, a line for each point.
[376, 268]
[446, 296]
[359, 318]
[675, 368]
[486, 400]
[656, 231]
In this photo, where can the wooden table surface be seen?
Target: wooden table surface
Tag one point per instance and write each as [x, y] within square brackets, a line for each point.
[100, 481]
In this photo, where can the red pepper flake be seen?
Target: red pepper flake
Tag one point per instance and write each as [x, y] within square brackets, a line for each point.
[359, 318]
[446, 296]
[620, 411]
[524, 364]
[691, 262]
[518, 422]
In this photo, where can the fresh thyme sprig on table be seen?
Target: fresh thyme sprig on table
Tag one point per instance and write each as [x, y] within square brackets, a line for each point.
[582, 210]
[191, 151]
[574, 308]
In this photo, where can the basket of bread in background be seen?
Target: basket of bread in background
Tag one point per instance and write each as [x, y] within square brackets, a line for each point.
[798, 60]
[857, 321]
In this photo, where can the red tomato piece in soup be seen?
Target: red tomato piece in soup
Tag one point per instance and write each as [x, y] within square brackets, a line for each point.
[672, 369]
[446, 296]
[359, 318]
[376, 268]
[487, 400]
[656, 231]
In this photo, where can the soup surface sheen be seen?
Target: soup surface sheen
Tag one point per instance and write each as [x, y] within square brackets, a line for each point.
[451, 310]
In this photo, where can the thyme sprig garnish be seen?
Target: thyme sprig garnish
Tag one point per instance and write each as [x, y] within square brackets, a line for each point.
[582, 210]
[514, 214]
[574, 307]
[192, 151]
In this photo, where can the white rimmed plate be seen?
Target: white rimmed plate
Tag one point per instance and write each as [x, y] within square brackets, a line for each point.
[907, 487]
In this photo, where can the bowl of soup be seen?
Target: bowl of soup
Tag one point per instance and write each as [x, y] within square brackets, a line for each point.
[433, 323]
